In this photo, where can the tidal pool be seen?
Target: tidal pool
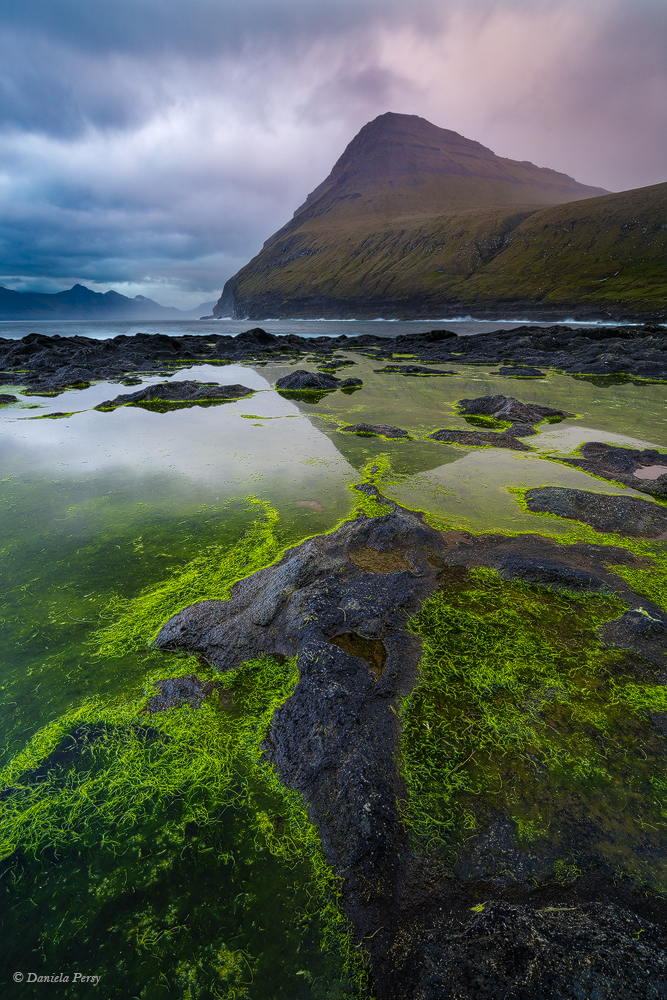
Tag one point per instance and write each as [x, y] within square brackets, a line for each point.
[161, 852]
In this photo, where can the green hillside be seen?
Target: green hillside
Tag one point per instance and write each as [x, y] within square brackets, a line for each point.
[418, 221]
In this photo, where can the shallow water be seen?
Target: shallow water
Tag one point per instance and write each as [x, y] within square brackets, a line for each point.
[97, 506]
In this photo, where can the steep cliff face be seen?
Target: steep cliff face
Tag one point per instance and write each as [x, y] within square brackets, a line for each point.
[411, 213]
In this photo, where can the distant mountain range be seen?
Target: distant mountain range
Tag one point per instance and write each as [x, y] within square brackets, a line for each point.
[418, 221]
[80, 302]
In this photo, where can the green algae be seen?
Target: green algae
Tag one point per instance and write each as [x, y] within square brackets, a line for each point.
[520, 712]
[136, 622]
[170, 831]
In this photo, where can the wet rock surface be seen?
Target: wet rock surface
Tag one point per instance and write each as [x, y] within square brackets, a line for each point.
[485, 439]
[301, 380]
[410, 370]
[53, 363]
[510, 951]
[640, 630]
[341, 604]
[6, 397]
[621, 515]
[620, 465]
[385, 430]
[178, 392]
[177, 691]
[522, 418]
[516, 371]
[510, 409]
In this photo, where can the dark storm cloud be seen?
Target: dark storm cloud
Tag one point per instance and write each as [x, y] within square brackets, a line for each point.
[154, 144]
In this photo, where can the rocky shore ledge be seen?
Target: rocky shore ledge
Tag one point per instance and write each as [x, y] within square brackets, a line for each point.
[48, 365]
[493, 921]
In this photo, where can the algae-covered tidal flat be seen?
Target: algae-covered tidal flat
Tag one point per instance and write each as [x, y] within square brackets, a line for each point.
[157, 845]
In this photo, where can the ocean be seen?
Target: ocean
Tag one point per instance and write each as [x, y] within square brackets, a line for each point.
[104, 329]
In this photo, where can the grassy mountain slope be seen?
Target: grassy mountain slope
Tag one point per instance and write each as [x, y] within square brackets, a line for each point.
[416, 220]
[610, 251]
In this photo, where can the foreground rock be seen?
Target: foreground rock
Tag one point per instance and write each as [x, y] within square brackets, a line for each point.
[621, 515]
[301, 380]
[178, 392]
[6, 397]
[341, 603]
[645, 471]
[52, 364]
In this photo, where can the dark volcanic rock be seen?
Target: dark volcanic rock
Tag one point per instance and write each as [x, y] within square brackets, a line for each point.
[643, 631]
[516, 371]
[6, 397]
[620, 465]
[178, 392]
[622, 515]
[386, 430]
[341, 603]
[300, 380]
[50, 364]
[550, 573]
[410, 370]
[510, 409]
[510, 952]
[485, 439]
[177, 691]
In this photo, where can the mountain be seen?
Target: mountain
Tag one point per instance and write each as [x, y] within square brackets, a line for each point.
[415, 220]
[80, 302]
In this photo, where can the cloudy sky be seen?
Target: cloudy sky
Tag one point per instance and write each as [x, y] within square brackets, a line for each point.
[153, 145]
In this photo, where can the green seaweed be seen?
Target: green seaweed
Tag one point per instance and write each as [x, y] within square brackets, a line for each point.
[519, 711]
[135, 622]
[171, 819]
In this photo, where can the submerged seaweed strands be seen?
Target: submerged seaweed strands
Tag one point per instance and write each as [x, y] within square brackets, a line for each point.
[341, 603]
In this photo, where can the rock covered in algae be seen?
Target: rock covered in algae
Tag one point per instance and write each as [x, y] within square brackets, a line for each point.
[511, 409]
[621, 465]
[522, 418]
[6, 397]
[178, 392]
[621, 515]
[342, 604]
[385, 430]
[486, 439]
[301, 380]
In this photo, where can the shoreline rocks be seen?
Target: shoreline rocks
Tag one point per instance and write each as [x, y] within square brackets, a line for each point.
[51, 364]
